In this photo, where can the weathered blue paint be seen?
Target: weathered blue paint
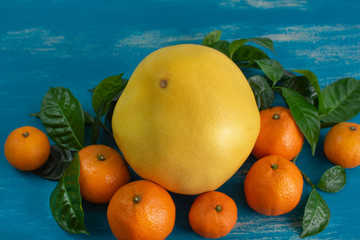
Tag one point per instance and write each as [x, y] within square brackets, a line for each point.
[76, 44]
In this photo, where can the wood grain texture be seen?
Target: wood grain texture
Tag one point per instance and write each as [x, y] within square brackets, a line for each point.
[76, 44]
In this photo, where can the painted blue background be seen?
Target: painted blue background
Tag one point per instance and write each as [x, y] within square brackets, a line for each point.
[76, 44]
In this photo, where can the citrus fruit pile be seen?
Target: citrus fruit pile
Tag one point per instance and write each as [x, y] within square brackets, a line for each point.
[185, 123]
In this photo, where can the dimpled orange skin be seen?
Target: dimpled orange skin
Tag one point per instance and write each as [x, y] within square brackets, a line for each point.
[100, 179]
[27, 152]
[206, 221]
[280, 136]
[273, 191]
[342, 144]
[150, 218]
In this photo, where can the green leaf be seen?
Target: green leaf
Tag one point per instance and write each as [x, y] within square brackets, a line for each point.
[63, 118]
[96, 125]
[234, 46]
[106, 90]
[263, 93]
[333, 180]
[271, 68]
[302, 85]
[65, 200]
[327, 124]
[36, 115]
[314, 81]
[109, 114]
[342, 100]
[222, 46]
[305, 115]
[56, 164]
[316, 216]
[248, 53]
[88, 118]
[264, 42]
[212, 37]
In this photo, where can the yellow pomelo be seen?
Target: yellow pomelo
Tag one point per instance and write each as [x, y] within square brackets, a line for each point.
[187, 119]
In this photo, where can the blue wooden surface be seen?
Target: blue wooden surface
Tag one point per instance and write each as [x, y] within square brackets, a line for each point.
[75, 44]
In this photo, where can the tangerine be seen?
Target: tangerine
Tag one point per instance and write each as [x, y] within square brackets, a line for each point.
[342, 144]
[27, 148]
[102, 172]
[279, 135]
[213, 214]
[141, 210]
[273, 186]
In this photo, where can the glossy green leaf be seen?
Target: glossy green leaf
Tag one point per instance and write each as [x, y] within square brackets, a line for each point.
[264, 42]
[247, 53]
[305, 115]
[65, 200]
[212, 37]
[263, 93]
[106, 90]
[333, 180]
[342, 100]
[316, 216]
[222, 46]
[272, 69]
[56, 164]
[87, 117]
[302, 85]
[96, 125]
[63, 118]
[234, 46]
[314, 81]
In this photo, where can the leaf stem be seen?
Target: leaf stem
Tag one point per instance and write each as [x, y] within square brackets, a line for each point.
[294, 159]
[297, 156]
[307, 179]
[106, 130]
[276, 89]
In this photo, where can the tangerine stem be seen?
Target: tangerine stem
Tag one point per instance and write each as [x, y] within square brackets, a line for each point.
[274, 166]
[276, 116]
[25, 134]
[218, 208]
[101, 158]
[352, 128]
[137, 199]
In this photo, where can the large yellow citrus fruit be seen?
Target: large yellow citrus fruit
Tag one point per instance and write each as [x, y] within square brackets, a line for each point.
[187, 119]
